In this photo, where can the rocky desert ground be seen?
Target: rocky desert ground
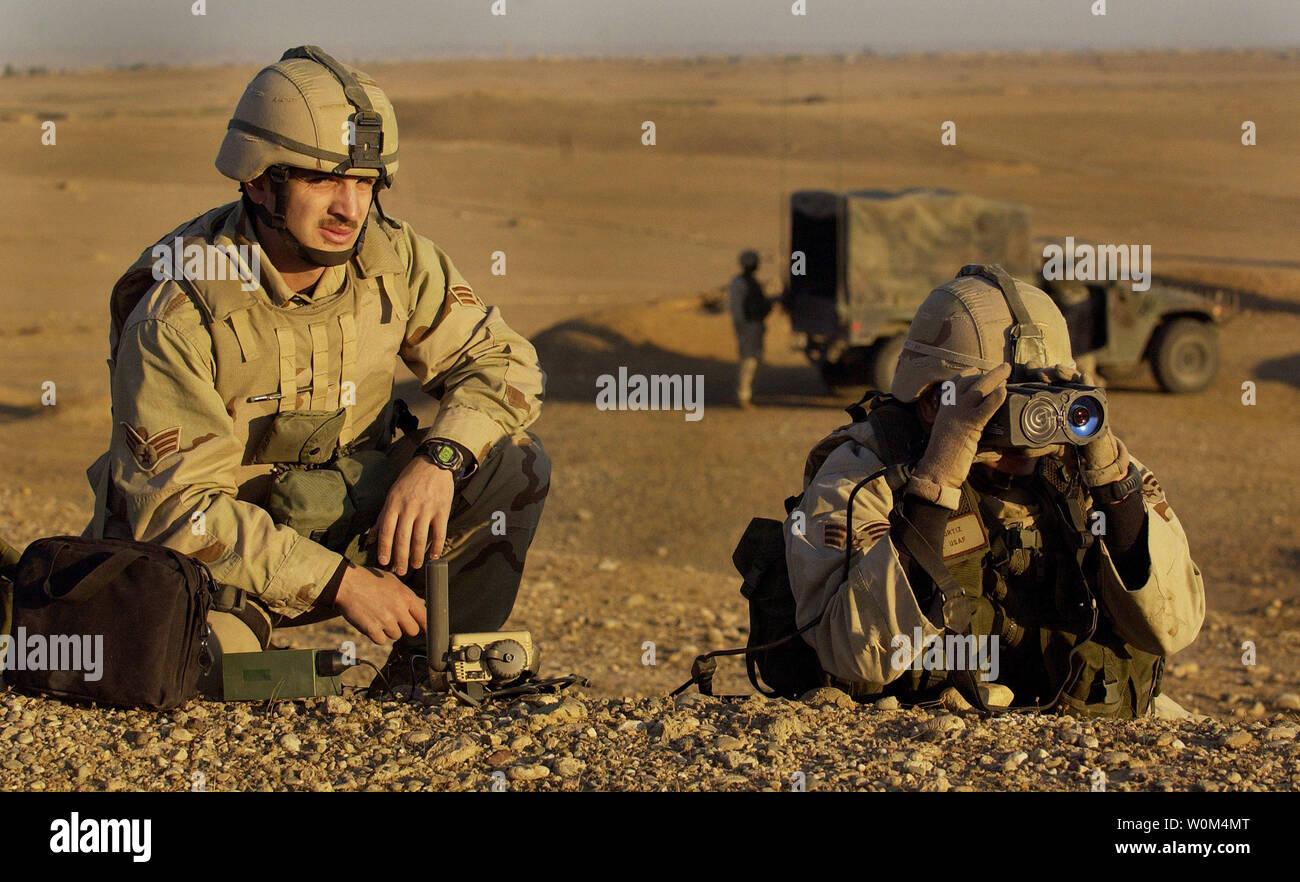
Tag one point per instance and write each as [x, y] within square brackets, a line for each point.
[612, 249]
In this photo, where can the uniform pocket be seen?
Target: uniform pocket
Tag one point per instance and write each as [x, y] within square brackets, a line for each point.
[304, 437]
[314, 503]
[1098, 689]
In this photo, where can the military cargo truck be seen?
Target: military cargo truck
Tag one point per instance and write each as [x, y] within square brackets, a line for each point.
[862, 261]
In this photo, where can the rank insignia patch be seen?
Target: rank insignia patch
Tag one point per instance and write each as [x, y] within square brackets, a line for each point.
[149, 450]
[834, 535]
[464, 296]
[871, 533]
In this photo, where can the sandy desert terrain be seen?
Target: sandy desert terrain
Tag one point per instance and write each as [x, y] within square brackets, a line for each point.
[611, 247]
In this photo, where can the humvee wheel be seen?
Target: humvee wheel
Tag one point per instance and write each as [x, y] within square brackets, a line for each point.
[849, 372]
[884, 360]
[1185, 355]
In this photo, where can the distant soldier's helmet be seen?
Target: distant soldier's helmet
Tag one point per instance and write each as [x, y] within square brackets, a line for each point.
[749, 260]
[309, 111]
[980, 319]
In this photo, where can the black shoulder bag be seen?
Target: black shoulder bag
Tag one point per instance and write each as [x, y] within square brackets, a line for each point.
[110, 621]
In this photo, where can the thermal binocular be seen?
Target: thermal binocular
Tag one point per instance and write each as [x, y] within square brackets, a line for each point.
[1043, 414]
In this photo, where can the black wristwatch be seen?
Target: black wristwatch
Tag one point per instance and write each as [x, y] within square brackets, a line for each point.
[444, 454]
[1109, 494]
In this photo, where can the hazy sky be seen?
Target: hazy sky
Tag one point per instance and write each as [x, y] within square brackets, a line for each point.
[67, 33]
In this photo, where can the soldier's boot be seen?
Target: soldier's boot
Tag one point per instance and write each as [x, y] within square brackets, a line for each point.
[493, 519]
[745, 381]
[405, 669]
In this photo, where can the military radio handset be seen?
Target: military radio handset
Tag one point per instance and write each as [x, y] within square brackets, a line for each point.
[478, 665]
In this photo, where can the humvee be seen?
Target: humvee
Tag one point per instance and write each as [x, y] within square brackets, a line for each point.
[862, 262]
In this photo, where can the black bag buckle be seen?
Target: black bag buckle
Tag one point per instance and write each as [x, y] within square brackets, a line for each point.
[229, 599]
[403, 419]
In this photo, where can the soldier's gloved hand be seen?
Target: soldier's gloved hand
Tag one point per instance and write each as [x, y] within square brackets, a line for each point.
[955, 436]
[1105, 458]
[968, 615]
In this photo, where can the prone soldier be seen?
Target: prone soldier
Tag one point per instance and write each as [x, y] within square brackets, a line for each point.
[914, 523]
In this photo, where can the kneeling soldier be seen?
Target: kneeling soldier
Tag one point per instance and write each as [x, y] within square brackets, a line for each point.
[252, 421]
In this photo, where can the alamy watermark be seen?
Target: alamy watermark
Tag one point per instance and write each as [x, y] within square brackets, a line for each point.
[55, 652]
[683, 392]
[946, 652]
[78, 835]
[1093, 263]
[202, 261]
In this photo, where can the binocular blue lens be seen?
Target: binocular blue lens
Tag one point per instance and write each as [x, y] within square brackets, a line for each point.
[1083, 417]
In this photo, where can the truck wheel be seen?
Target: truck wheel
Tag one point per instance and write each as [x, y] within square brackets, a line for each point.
[884, 360]
[842, 374]
[1185, 355]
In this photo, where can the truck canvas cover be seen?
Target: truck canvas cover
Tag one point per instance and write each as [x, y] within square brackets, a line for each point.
[903, 244]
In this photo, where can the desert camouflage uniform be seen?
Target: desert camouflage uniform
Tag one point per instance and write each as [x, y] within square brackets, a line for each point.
[1161, 616]
[182, 468]
[749, 309]
[968, 323]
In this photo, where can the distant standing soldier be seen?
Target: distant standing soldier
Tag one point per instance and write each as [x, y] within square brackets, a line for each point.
[749, 309]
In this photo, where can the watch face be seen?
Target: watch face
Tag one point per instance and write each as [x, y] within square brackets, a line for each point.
[442, 454]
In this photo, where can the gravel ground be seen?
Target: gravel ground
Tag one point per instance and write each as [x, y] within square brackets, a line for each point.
[635, 548]
[582, 742]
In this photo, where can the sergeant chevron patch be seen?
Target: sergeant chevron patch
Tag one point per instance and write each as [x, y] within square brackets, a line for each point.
[149, 450]
[869, 534]
[1155, 496]
[464, 296]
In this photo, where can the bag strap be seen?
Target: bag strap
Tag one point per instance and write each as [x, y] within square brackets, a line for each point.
[101, 499]
[232, 600]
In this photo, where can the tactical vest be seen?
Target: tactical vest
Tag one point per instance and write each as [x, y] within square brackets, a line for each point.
[289, 376]
[1029, 587]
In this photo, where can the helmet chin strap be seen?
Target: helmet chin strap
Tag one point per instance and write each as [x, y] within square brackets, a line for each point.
[274, 218]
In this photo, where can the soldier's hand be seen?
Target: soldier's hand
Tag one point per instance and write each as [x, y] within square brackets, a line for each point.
[413, 521]
[958, 424]
[379, 605]
[1059, 373]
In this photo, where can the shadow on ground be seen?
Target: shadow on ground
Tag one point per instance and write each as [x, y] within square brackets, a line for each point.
[1284, 370]
[576, 353]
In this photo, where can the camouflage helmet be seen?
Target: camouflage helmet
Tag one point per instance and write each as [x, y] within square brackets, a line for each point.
[981, 319]
[308, 111]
